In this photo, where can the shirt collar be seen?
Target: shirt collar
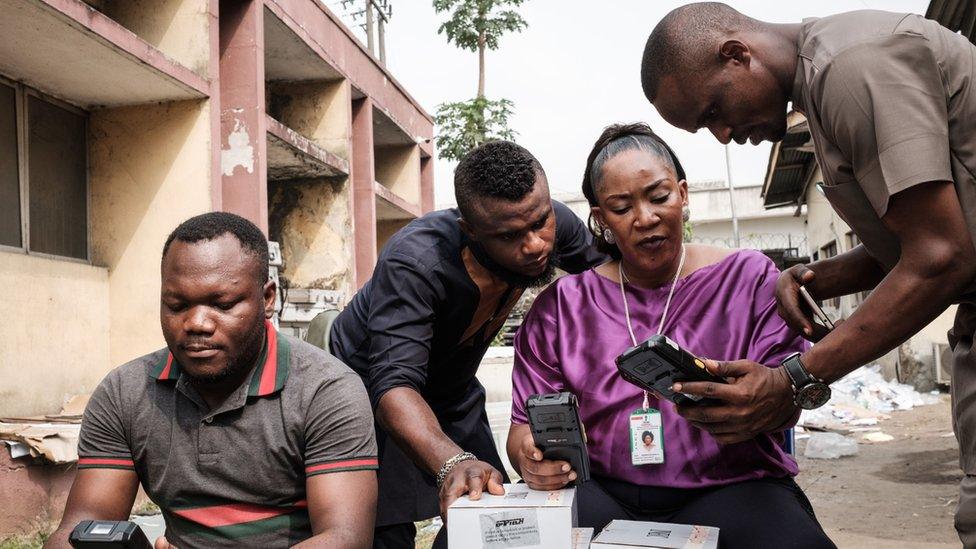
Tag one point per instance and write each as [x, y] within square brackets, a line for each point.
[267, 378]
[799, 78]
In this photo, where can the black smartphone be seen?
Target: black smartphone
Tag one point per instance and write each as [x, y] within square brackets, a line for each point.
[658, 363]
[108, 534]
[558, 431]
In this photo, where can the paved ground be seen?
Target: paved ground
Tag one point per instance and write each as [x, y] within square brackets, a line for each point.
[901, 493]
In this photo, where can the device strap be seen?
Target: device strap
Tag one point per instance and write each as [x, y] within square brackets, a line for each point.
[664, 313]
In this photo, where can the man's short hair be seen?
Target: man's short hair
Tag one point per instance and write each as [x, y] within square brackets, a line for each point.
[497, 169]
[211, 225]
[682, 39]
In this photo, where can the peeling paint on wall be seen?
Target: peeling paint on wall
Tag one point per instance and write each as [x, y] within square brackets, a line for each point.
[310, 219]
[240, 151]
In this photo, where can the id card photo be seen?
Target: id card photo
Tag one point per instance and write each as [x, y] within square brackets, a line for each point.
[646, 442]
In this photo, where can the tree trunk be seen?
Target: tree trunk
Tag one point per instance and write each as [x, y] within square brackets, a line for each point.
[481, 64]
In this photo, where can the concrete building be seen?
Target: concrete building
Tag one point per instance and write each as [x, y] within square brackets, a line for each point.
[793, 180]
[121, 118]
[759, 228]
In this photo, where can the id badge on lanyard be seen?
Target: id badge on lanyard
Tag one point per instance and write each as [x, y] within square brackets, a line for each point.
[646, 437]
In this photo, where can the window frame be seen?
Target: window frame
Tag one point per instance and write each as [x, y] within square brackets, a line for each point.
[832, 248]
[22, 93]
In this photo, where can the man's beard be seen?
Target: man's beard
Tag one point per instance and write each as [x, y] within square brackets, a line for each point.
[515, 279]
[250, 353]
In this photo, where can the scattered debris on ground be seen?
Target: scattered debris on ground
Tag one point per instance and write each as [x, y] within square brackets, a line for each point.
[858, 405]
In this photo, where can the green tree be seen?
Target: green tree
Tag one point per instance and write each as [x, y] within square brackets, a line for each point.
[463, 125]
[475, 25]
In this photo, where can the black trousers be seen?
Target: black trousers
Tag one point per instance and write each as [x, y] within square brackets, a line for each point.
[755, 514]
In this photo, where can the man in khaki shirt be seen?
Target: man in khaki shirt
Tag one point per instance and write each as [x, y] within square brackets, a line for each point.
[891, 105]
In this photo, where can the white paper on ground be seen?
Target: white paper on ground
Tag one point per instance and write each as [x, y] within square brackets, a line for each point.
[17, 449]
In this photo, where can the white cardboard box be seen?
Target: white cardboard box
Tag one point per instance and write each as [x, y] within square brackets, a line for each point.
[582, 537]
[523, 518]
[629, 534]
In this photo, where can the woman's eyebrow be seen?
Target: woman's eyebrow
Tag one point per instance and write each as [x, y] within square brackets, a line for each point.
[649, 187]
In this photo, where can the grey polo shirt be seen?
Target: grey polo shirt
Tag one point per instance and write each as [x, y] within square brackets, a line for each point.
[233, 476]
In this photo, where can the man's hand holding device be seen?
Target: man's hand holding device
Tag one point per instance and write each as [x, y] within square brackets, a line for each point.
[660, 366]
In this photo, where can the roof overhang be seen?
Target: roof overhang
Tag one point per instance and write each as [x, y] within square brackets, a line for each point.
[791, 163]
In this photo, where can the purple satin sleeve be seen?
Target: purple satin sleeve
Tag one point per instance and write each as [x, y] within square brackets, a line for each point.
[536, 369]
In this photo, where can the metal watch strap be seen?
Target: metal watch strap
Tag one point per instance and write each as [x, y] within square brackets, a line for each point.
[450, 463]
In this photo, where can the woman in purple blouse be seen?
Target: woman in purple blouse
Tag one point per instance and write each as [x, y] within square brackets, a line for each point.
[716, 303]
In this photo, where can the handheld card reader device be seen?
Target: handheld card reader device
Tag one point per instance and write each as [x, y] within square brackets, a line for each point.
[659, 363]
[557, 431]
[108, 534]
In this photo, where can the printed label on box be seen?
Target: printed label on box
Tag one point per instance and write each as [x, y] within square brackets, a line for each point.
[510, 529]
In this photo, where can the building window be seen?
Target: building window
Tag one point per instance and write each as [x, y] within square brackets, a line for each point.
[43, 174]
[853, 242]
[826, 252]
[10, 230]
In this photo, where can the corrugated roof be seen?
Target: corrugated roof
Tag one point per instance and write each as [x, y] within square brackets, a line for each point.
[790, 162]
[957, 15]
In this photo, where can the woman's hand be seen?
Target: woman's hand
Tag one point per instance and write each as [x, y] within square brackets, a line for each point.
[756, 399]
[542, 474]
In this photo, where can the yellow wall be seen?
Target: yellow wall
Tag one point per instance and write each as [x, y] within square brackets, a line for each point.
[178, 28]
[320, 111]
[150, 170]
[54, 342]
[398, 169]
[310, 219]
[386, 228]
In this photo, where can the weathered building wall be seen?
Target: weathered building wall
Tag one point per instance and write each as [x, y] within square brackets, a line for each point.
[321, 111]
[387, 228]
[56, 342]
[310, 220]
[150, 170]
[178, 28]
[398, 169]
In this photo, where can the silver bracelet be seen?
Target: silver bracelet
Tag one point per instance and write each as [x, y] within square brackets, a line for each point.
[450, 463]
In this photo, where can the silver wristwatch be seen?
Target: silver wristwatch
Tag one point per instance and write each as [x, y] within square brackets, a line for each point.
[450, 463]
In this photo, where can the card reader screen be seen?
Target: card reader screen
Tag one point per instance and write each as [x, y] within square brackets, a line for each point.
[101, 529]
[552, 417]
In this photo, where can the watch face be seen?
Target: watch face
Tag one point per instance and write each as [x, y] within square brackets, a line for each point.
[813, 396]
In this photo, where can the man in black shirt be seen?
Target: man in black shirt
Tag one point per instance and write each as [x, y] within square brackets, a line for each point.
[418, 329]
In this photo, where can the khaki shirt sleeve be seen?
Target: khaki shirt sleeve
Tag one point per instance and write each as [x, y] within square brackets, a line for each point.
[883, 104]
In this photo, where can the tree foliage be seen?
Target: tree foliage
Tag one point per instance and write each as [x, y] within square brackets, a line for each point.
[479, 23]
[464, 125]
[475, 25]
